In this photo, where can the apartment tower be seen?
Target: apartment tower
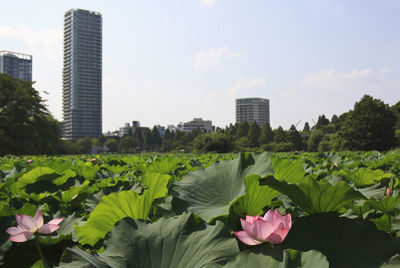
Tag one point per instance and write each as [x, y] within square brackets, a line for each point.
[82, 74]
[16, 64]
[252, 110]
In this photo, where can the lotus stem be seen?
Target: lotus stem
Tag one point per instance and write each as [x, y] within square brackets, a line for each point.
[40, 252]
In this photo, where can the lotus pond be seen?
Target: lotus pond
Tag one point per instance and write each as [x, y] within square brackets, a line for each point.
[236, 210]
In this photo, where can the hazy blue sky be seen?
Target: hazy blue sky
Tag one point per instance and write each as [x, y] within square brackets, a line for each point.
[167, 61]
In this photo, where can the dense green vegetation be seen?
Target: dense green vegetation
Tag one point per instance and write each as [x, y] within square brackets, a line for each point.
[181, 211]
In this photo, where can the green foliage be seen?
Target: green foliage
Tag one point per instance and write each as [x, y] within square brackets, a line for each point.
[294, 138]
[112, 145]
[314, 197]
[314, 140]
[306, 127]
[257, 197]
[132, 210]
[254, 134]
[117, 206]
[324, 145]
[322, 121]
[266, 136]
[279, 135]
[84, 144]
[369, 126]
[363, 177]
[213, 142]
[156, 138]
[345, 242]
[243, 129]
[396, 110]
[212, 191]
[26, 126]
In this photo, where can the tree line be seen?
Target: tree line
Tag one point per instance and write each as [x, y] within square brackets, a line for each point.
[27, 127]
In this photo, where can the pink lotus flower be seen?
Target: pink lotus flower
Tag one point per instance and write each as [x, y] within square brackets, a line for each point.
[29, 161]
[273, 227]
[27, 226]
[389, 191]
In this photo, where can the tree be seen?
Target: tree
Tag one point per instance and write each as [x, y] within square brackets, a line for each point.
[111, 144]
[213, 142]
[266, 136]
[314, 140]
[147, 139]
[243, 129]
[157, 140]
[96, 142]
[396, 110]
[254, 134]
[369, 126]
[84, 145]
[335, 119]
[137, 136]
[26, 126]
[295, 138]
[322, 121]
[279, 135]
[306, 127]
[127, 144]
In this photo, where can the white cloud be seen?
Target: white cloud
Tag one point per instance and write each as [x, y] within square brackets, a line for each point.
[330, 79]
[47, 42]
[383, 73]
[208, 2]
[245, 84]
[213, 57]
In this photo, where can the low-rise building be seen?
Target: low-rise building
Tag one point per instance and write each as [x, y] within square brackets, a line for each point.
[198, 123]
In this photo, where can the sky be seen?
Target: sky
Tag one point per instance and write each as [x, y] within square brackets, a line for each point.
[169, 61]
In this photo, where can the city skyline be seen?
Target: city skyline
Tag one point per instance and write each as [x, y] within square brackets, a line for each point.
[169, 62]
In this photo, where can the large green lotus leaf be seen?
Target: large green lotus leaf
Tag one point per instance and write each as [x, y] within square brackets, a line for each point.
[66, 175]
[345, 242]
[256, 198]
[77, 258]
[170, 242]
[287, 170]
[59, 165]
[117, 206]
[387, 204]
[36, 175]
[86, 172]
[117, 169]
[165, 165]
[157, 183]
[375, 191]
[362, 177]
[274, 258]
[311, 259]
[312, 196]
[266, 257]
[210, 192]
[385, 223]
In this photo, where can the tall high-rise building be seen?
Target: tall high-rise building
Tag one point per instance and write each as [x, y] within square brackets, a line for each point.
[82, 74]
[16, 64]
[252, 110]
